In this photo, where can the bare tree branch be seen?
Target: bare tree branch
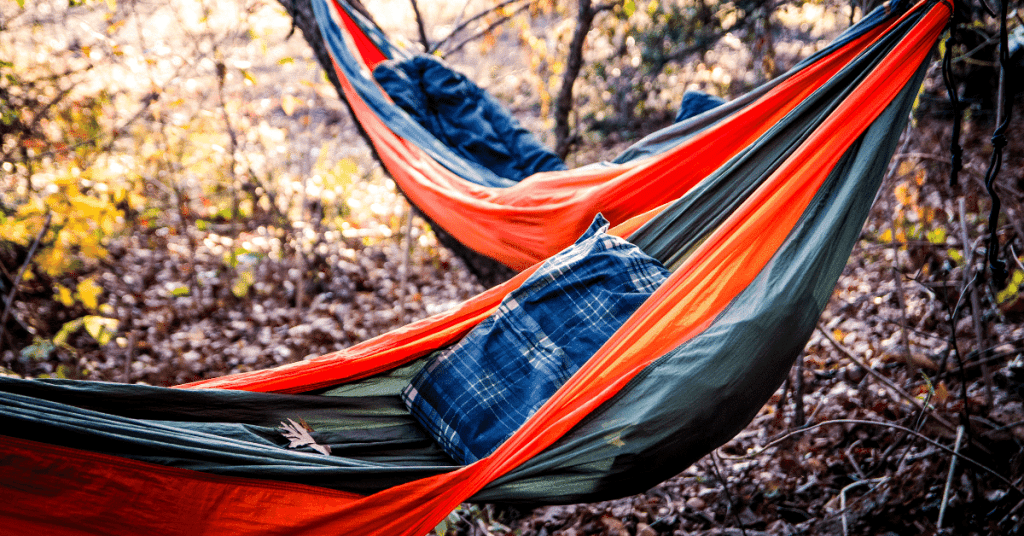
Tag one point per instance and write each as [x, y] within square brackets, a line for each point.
[21, 273]
[474, 18]
[419, 25]
[484, 31]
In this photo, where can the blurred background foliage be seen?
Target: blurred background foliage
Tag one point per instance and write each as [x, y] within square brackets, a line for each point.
[135, 119]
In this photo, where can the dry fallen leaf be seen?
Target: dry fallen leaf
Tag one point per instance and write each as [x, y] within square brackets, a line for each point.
[300, 437]
[289, 103]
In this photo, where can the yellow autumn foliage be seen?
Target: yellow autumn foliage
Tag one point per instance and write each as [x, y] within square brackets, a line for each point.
[79, 227]
[64, 295]
[15, 230]
[89, 293]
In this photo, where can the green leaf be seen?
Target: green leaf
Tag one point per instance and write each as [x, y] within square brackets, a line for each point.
[937, 236]
[248, 76]
[180, 291]
[61, 338]
[1007, 293]
[242, 285]
[63, 372]
[100, 328]
[629, 8]
[38, 350]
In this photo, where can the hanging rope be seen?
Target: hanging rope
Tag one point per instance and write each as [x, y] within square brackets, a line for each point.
[1003, 115]
[955, 149]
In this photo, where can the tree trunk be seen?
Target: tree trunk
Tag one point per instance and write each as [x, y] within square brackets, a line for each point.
[564, 136]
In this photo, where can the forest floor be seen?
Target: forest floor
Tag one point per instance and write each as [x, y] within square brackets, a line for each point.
[858, 441]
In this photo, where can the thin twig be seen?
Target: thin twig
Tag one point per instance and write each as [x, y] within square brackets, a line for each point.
[1012, 512]
[896, 275]
[979, 331]
[991, 357]
[233, 137]
[725, 489]
[3, 272]
[799, 417]
[853, 462]
[868, 245]
[1008, 426]
[918, 423]
[420, 26]
[918, 332]
[760, 450]
[922, 156]
[403, 294]
[1014, 218]
[21, 272]
[300, 259]
[885, 381]
[462, 15]
[484, 31]
[462, 25]
[129, 355]
[842, 498]
[949, 478]
[483, 528]
[781, 403]
[814, 412]
[954, 348]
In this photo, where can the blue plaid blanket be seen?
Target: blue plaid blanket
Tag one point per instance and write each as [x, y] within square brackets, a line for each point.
[473, 395]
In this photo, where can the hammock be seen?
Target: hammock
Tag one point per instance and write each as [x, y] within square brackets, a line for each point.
[521, 221]
[687, 371]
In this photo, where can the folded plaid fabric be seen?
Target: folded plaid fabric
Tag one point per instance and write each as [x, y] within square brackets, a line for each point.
[474, 394]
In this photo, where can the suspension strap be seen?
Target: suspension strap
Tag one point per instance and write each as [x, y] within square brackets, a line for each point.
[955, 150]
[1004, 112]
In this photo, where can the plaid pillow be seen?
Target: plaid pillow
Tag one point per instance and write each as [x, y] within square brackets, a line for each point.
[474, 394]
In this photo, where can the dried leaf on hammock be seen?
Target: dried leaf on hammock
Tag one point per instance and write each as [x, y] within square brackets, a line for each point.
[299, 437]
